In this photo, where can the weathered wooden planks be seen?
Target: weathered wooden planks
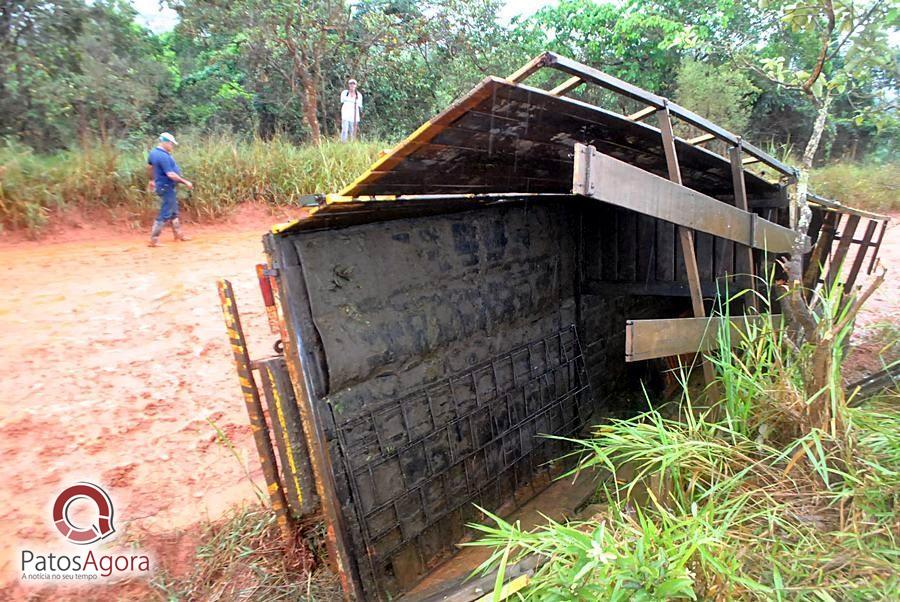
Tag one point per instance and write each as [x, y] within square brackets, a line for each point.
[609, 180]
[649, 339]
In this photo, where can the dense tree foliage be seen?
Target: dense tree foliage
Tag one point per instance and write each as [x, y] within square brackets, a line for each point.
[79, 69]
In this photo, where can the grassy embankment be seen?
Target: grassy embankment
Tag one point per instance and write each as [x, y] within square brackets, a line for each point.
[110, 182]
[747, 500]
[872, 186]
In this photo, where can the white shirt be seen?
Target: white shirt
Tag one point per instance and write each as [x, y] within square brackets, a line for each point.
[350, 106]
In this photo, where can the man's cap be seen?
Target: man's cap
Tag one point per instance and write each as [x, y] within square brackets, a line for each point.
[352, 81]
[167, 137]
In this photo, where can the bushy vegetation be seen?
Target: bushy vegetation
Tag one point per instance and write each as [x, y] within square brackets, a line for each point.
[873, 186]
[744, 498]
[226, 171]
[75, 69]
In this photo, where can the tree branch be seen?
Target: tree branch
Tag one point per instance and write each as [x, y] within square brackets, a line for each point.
[823, 53]
[859, 23]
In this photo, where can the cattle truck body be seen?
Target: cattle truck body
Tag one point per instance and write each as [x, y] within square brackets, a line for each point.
[487, 282]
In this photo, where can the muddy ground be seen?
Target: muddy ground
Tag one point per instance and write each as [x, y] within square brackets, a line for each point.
[116, 369]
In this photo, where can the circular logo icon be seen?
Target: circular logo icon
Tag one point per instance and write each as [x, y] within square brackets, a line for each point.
[91, 533]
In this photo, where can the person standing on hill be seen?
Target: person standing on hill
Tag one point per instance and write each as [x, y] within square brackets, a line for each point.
[164, 177]
[351, 111]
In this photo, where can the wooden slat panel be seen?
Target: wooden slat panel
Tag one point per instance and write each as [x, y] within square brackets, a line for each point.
[609, 180]
[665, 251]
[609, 82]
[628, 246]
[837, 260]
[821, 251]
[860, 254]
[646, 248]
[744, 253]
[649, 339]
[877, 247]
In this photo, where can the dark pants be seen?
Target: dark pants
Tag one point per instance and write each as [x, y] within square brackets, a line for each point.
[169, 208]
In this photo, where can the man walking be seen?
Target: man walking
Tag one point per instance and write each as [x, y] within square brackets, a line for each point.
[351, 111]
[164, 177]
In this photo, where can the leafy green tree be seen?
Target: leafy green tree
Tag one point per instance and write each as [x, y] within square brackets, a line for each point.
[718, 92]
[624, 40]
[70, 69]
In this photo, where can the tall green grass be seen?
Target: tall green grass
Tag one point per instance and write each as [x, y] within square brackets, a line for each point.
[738, 499]
[225, 171]
[873, 186]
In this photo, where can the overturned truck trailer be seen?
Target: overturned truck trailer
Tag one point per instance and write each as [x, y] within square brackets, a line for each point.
[489, 281]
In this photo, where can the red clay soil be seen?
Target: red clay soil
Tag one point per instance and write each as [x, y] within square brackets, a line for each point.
[878, 325]
[116, 370]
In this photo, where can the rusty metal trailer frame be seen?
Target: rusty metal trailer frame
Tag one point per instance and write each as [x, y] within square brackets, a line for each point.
[582, 74]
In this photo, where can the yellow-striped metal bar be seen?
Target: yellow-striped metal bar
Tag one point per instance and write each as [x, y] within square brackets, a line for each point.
[254, 407]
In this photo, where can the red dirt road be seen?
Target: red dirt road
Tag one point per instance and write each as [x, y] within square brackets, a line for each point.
[116, 367]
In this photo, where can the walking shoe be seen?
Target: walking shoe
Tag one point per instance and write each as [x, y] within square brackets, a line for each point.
[176, 229]
[154, 234]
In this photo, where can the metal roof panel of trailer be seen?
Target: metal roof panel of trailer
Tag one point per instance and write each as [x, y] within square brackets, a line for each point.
[509, 142]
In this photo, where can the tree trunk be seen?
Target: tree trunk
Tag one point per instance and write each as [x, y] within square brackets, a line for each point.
[807, 333]
[311, 108]
[801, 214]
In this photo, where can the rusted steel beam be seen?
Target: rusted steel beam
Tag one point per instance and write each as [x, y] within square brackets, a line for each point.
[618, 183]
[822, 250]
[860, 255]
[685, 235]
[837, 260]
[254, 408]
[701, 139]
[740, 201]
[642, 114]
[649, 339]
[567, 86]
[268, 295]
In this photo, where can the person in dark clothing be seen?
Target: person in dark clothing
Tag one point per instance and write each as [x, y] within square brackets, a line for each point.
[164, 177]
